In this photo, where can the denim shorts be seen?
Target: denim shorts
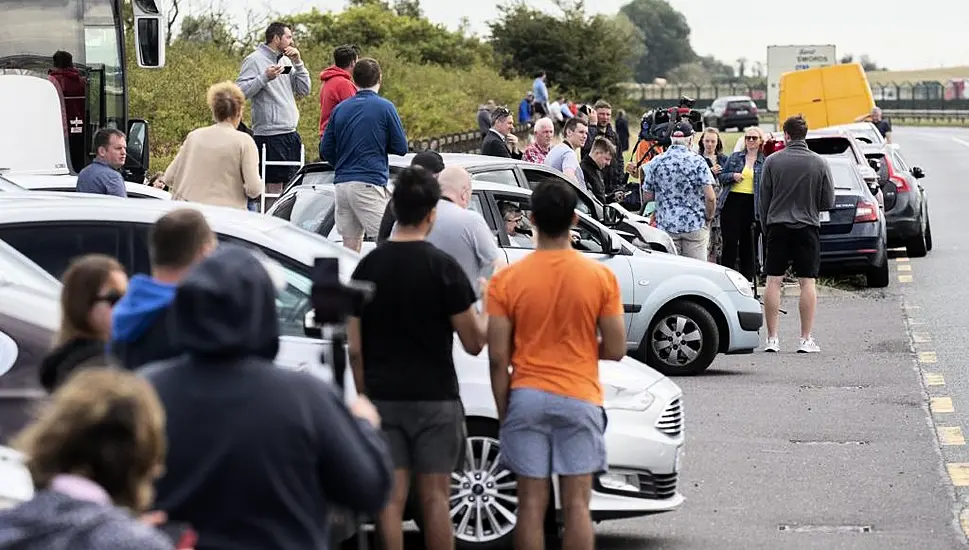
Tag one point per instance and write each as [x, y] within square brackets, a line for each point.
[545, 434]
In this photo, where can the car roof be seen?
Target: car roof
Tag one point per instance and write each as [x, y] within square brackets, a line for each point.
[464, 159]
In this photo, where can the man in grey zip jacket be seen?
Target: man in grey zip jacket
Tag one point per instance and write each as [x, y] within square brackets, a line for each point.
[273, 93]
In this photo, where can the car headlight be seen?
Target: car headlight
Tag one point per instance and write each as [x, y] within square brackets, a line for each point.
[741, 283]
[618, 398]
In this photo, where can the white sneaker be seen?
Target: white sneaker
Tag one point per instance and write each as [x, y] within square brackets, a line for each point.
[773, 345]
[809, 346]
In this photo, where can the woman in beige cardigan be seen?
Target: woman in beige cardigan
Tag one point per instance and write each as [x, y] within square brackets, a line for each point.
[218, 164]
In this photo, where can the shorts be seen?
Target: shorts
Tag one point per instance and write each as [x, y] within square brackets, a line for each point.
[359, 209]
[425, 437]
[282, 147]
[546, 434]
[800, 246]
[540, 109]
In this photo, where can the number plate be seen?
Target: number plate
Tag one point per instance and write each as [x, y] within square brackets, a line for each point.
[740, 112]
[825, 216]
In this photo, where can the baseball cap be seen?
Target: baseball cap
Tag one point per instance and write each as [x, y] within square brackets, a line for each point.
[683, 129]
[430, 160]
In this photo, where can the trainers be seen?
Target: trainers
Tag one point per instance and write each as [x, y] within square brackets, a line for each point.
[809, 346]
[773, 345]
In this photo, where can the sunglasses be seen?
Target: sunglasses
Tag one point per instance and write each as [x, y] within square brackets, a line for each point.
[514, 219]
[111, 298]
[752, 138]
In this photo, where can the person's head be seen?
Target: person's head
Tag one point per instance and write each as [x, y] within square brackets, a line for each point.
[553, 208]
[574, 132]
[456, 185]
[602, 152]
[366, 74]
[279, 36]
[753, 139]
[429, 160]
[345, 56]
[544, 132]
[561, 99]
[529, 96]
[111, 146]
[540, 75]
[104, 424]
[603, 112]
[63, 60]
[682, 134]
[490, 105]
[502, 121]
[710, 142]
[226, 102]
[512, 215]
[876, 114]
[415, 197]
[620, 114]
[92, 285]
[795, 128]
[177, 241]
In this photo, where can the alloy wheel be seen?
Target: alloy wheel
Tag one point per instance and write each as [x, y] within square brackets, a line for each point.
[484, 501]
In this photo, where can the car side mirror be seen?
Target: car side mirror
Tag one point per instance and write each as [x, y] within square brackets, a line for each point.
[917, 172]
[875, 165]
[138, 151]
[610, 215]
[614, 246]
[310, 328]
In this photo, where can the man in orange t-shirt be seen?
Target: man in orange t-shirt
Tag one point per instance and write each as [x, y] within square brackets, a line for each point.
[544, 313]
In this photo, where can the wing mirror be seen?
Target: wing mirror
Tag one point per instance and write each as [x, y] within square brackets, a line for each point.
[917, 172]
[611, 215]
[615, 247]
[138, 151]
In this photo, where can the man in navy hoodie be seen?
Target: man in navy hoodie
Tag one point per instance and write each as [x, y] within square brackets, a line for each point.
[142, 326]
[361, 132]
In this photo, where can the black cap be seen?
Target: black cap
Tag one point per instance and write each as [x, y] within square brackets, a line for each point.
[683, 129]
[431, 160]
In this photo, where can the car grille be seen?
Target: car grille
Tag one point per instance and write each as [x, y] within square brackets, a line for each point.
[657, 486]
[671, 423]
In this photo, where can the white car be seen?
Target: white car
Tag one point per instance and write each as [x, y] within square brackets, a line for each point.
[644, 436]
[68, 184]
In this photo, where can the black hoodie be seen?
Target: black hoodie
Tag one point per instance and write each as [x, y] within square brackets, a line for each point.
[76, 353]
[256, 454]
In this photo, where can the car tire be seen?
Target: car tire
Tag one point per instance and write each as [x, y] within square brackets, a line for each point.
[878, 276]
[916, 247]
[681, 319]
[928, 233]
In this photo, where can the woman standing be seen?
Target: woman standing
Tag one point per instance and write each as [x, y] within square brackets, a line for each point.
[711, 149]
[741, 180]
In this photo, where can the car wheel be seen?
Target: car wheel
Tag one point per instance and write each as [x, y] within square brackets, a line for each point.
[928, 233]
[682, 339]
[878, 276]
[916, 247]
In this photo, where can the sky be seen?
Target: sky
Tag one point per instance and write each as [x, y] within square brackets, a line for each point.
[896, 34]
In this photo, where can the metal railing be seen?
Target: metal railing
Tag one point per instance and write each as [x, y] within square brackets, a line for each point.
[463, 142]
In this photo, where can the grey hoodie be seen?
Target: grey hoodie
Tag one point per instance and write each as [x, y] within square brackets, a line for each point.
[274, 109]
[55, 521]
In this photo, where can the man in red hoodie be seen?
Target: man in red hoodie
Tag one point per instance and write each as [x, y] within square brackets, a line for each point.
[337, 84]
[73, 89]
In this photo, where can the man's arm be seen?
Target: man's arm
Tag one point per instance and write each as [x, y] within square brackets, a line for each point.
[500, 342]
[355, 351]
[647, 181]
[570, 166]
[114, 185]
[484, 245]
[459, 302]
[766, 192]
[612, 321]
[300, 78]
[252, 78]
[329, 138]
[709, 201]
[398, 138]
[827, 188]
[888, 132]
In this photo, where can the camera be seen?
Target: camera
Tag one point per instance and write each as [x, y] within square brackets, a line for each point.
[657, 125]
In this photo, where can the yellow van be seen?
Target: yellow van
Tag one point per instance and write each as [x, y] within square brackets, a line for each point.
[826, 96]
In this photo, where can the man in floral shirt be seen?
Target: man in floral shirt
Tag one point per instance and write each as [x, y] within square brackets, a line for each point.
[681, 183]
[536, 151]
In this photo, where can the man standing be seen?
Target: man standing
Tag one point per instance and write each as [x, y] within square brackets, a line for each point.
[612, 173]
[401, 352]
[362, 131]
[562, 157]
[594, 164]
[484, 116]
[550, 406]
[273, 83]
[102, 176]
[682, 185]
[883, 124]
[462, 233]
[537, 151]
[142, 324]
[795, 186]
[337, 86]
[500, 141]
[540, 93]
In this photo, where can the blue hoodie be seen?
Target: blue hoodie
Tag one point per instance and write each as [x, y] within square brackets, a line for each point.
[141, 326]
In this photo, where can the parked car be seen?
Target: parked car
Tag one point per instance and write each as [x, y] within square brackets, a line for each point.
[644, 437]
[865, 132]
[853, 233]
[68, 184]
[680, 312]
[738, 111]
[516, 173]
[906, 203]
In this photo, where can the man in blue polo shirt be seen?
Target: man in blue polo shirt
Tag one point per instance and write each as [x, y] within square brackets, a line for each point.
[362, 131]
[103, 176]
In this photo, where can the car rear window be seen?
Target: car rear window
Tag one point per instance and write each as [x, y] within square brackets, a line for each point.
[834, 146]
[742, 104]
[845, 176]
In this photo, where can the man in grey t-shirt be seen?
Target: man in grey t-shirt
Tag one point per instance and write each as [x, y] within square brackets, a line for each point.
[563, 157]
[461, 232]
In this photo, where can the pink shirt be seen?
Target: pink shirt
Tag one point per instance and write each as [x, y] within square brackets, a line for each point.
[534, 154]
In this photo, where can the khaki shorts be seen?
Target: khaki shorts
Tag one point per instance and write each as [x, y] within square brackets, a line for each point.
[359, 209]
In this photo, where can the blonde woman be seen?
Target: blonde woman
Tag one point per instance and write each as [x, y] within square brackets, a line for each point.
[218, 164]
[737, 204]
[93, 455]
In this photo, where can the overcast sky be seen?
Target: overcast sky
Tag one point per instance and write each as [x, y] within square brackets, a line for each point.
[899, 35]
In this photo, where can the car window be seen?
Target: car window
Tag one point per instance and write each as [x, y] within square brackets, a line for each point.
[284, 207]
[899, 163]
[882, 167]
[534, 177]
[52, 246]
[845, 176]
[317, 178]
[310, 208]
[838, 147]
[503, 177]
[475, 205]
[514, 212]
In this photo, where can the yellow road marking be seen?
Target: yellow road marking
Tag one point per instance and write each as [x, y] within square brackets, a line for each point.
[964, 521]
[959, 473]
[934, 379]
[928, 357]
[905, 278]
[921, 337]
[941, 405]
[951, 435]
[902, 259]
[905, 267]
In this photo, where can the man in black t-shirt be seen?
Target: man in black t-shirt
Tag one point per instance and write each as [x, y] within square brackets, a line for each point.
[401, 352]
[883, 124]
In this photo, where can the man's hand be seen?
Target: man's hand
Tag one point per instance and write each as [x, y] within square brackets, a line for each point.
[273, 71]
[154, 519]
[363, 408]
[631, 168]
[292, 53]
[512, 141]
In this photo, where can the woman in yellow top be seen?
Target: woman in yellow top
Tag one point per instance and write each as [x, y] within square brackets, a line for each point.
[740, 178]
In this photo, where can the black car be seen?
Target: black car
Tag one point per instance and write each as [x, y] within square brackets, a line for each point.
[738, 111]
[853, 233]
[906, 203]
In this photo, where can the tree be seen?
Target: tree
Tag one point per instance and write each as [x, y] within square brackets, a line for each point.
[666, 36]
[864, 60]
[409, 8]
[580, 54]
[209, 28]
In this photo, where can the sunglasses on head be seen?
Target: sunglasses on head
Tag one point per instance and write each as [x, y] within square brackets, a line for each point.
[111, 298]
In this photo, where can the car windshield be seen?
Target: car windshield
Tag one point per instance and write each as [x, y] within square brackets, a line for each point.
[845, 176]
[310, 208]
[17, 269]
[869, 135]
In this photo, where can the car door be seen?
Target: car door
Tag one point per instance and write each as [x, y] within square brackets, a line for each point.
[506, 206]
[52, 245]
